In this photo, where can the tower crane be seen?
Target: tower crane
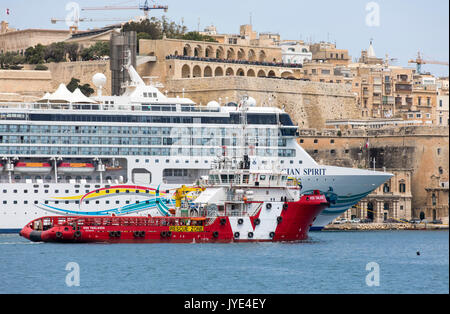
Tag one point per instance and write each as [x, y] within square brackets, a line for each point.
[388, 60]
[145, 7]
[77, 21]
[419, 61]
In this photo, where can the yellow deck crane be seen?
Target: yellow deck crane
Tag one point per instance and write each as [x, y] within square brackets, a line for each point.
[181, 193]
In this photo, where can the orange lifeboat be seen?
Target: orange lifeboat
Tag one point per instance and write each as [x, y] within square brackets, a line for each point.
[33, 167]
[75, 168]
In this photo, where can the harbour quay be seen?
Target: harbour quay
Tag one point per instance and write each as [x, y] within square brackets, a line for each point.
[383, 226]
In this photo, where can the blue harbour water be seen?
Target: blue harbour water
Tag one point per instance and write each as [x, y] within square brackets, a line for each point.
[330, 262]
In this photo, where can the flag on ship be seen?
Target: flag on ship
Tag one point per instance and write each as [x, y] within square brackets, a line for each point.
[7, 11]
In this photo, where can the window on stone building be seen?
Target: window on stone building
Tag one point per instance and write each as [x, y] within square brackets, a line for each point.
[316, 141]
[433, 199]
[438, 151]
[386, 206]
[386, 188]
[402, 187]
[441, 171]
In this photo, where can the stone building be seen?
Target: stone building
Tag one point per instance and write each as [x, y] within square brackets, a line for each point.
[175, 58]
[246, 37]
[19, 40]
[86, 39]
[390, 201]
[441, 116]
[420, 151]
[327, 52]
[437, 202]
[295, 52]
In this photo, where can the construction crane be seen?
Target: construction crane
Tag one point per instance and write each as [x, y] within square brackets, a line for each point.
[388, 60]
[419, 61]
[77, 21]
[146, 8]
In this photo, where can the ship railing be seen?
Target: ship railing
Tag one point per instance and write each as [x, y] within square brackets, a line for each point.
[136, 221]
[45, 223]
[108, 107]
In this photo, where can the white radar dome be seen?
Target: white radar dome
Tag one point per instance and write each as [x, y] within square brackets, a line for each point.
[251, 102]
[213, 104]
[99, 80]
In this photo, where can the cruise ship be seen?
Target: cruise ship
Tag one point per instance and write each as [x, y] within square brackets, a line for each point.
[68, 154]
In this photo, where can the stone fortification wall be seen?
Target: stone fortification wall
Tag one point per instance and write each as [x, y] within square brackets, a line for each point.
[308, 103]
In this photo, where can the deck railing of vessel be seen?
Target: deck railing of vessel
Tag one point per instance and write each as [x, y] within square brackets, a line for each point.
[108, 107]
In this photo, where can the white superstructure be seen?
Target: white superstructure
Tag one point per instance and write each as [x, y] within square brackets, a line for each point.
[129, 153]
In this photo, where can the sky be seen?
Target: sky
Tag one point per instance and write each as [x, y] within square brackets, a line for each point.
[399, 28]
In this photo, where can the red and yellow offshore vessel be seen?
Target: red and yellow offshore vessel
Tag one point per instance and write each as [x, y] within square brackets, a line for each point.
[234, 204]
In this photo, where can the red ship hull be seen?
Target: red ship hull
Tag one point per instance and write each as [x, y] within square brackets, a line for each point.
[288, 221]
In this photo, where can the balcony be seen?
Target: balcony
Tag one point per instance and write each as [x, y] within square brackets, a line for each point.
[403, 88]
[388, 100]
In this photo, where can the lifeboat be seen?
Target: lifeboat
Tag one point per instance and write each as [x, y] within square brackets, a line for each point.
[75, 168]
[33, 167]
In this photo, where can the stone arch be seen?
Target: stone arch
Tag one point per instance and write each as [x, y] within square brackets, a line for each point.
[231, 54]
[218, 71]
[261, 73]
[271, 73]
[175, 53]
[220, 53]
[209, 52]
[187, 50]
[229, 72]
[198, 51]
[251, 55]
[197, 71]
[185, 71]
[262, 56]
[241, 54]
[287, 74]
[251, 73]
[240, 72]
[207, 72]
